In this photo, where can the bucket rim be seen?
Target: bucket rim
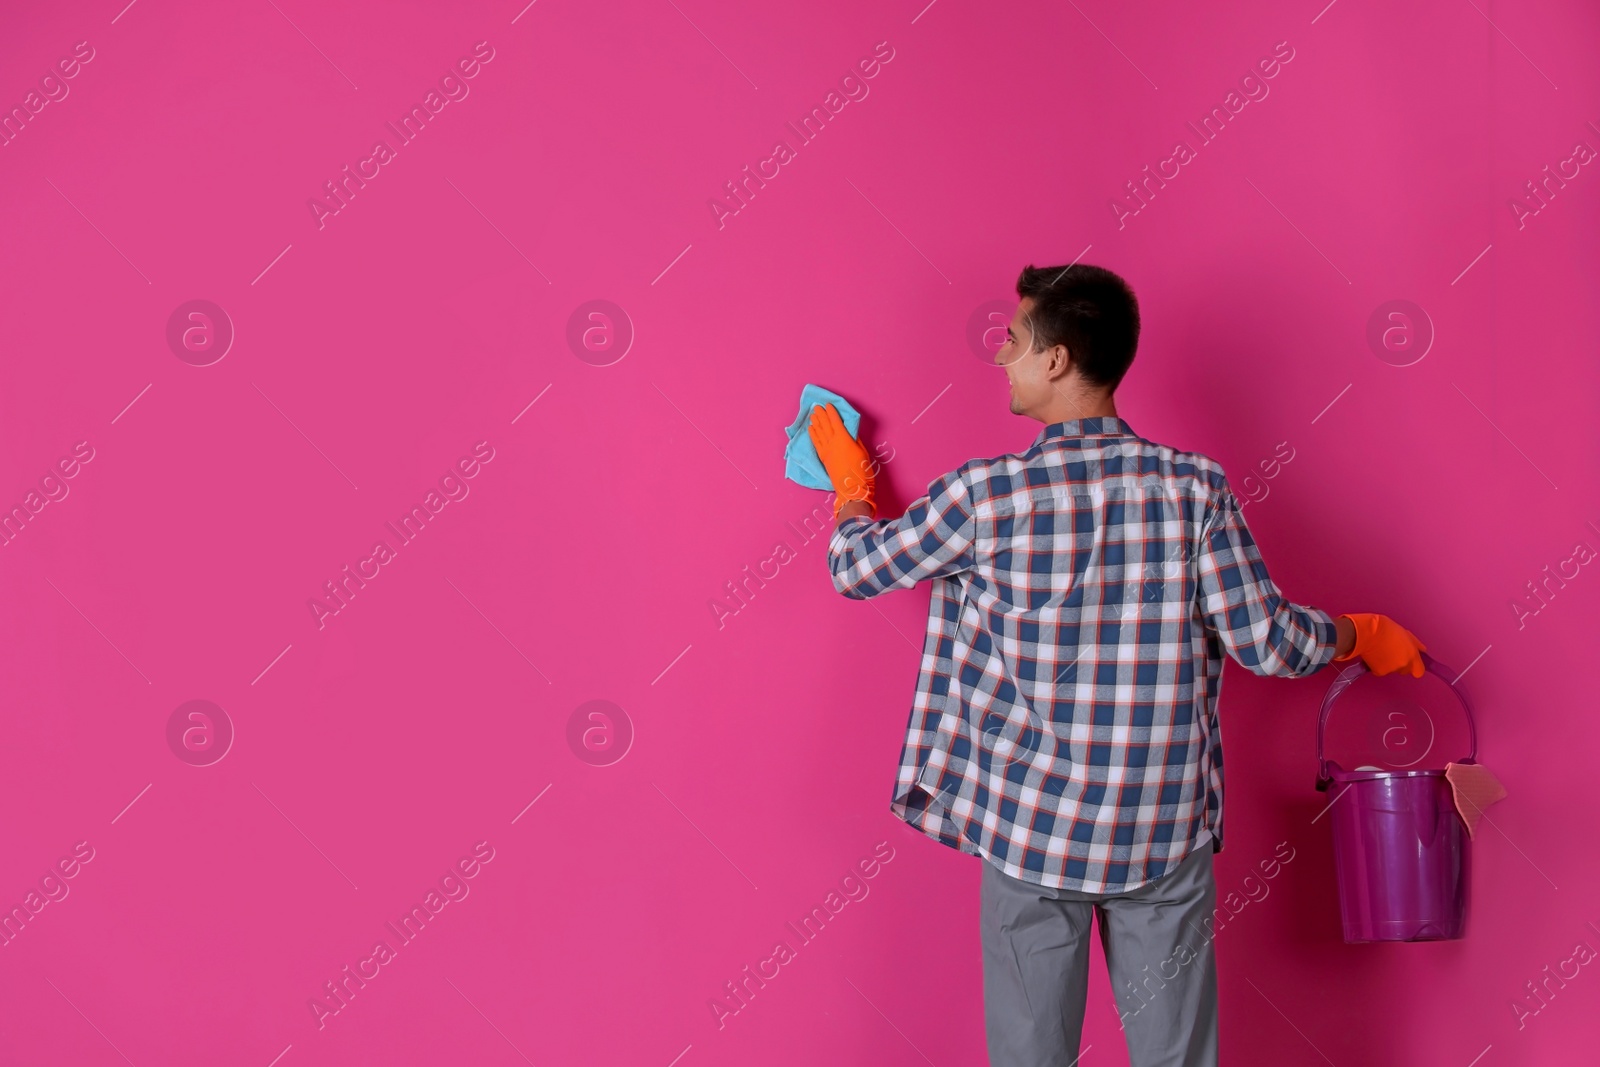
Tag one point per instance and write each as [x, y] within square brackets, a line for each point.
[1337, 774]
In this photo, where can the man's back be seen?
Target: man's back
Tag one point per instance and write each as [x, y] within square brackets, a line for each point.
[1084, 591]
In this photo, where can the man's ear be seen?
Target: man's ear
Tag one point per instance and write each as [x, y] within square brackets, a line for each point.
[1060, 365]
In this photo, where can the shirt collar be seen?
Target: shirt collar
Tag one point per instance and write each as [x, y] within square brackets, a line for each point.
[1102, 426]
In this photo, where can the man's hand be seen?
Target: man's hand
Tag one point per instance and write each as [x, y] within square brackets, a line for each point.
[1384, 645]
[848, 464]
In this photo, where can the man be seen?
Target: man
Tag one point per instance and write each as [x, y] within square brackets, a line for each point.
[1065, 720]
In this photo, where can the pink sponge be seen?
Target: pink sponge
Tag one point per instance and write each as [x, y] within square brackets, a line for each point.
[1475, 789]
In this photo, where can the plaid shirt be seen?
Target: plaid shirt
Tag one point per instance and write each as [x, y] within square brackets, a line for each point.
[1084, 591]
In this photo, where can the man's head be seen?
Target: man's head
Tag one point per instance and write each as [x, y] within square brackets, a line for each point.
[1070, 342]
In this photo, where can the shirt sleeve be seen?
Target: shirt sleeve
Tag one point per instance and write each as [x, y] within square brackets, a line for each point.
[1260, 628]
[932, 539]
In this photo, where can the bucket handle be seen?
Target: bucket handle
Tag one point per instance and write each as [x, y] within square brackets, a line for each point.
[1347, 678]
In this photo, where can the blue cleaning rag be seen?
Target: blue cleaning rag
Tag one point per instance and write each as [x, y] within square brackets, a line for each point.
[800, 461]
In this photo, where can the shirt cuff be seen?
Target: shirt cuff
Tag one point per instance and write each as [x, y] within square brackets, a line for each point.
[1327, 631]
[844, 529]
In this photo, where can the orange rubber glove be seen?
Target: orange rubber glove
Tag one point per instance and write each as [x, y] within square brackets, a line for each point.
[846, 460]
[1385, 646]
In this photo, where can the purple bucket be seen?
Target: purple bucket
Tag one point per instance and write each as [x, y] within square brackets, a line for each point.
[1400, 847]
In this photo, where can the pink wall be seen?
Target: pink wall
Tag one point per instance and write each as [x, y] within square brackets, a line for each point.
[374, 351]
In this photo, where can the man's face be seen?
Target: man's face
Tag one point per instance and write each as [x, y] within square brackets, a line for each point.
[1027, 368]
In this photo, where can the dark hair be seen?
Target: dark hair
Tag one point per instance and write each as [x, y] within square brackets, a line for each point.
[1089, 309]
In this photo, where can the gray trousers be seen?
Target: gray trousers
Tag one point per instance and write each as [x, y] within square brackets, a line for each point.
[1158, 953]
